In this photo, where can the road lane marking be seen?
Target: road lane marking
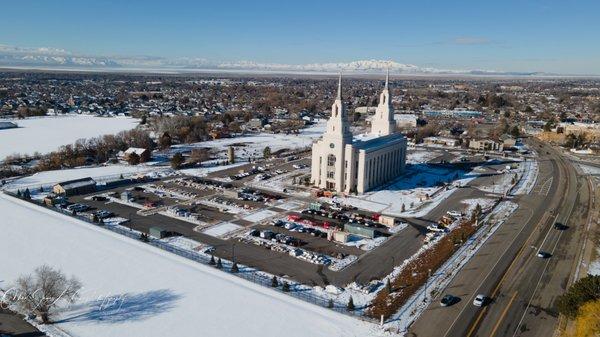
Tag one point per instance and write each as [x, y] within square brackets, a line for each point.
[503, 314]
[495, 264]
[547, 262]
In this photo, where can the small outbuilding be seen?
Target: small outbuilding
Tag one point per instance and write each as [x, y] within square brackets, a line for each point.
[388, 221]
[157, 232]
[360, 230]
[75, 187]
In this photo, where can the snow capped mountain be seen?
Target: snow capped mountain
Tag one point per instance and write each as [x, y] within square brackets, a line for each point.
[45, 57]
[355, 66]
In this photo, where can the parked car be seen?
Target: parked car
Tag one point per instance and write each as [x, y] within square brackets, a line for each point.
[454, 214]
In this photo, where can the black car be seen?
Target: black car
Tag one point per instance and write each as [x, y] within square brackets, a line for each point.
[448, 300]
[560, 226]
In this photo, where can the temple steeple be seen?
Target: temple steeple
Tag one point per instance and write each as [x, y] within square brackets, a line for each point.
[339, 91]
[338, 125]
[383, 121]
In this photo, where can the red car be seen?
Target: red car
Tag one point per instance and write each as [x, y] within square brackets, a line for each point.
[293, 217]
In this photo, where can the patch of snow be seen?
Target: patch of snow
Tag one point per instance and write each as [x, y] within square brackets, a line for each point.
[221, 229]
[134, 289]
[260, 215]
[47, 134]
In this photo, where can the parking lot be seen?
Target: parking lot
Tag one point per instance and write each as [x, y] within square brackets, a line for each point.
[278, 231]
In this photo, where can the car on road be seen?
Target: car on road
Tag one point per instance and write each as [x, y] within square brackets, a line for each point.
[559, 226]
[448, 300]
[543, 255]
[479, 300]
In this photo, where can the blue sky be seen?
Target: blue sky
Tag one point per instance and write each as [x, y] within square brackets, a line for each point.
[552, 36]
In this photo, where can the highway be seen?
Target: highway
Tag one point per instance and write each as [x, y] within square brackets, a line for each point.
[522, 286]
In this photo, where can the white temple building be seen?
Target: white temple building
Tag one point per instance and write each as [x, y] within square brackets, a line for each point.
[343, 163]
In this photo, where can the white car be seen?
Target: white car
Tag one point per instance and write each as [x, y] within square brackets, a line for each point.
[454, 214]
[479, 300]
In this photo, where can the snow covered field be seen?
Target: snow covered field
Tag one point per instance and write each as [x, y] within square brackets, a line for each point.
[132, 289]
[49, 177]
[49, 133]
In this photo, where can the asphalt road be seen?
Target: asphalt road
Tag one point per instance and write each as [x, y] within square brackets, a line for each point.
[522, 286]
[13, 325]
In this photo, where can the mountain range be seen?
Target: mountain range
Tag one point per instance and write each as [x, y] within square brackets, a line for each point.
[22, 57]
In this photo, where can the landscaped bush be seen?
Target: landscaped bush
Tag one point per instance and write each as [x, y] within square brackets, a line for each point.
[415, 273]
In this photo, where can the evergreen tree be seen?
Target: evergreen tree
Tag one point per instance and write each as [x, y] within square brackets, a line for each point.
[27, 194]
[403, 208]
[330, 304]
[285, 287]
[274, 282]
[219, 263]
[585, 290]
[234, 268]
[19, 193]
[212, 260]
[267, 152]
[350, 305]
[388, 286]
[41, 189]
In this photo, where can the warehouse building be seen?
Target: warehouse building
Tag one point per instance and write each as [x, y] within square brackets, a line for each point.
[75, 187]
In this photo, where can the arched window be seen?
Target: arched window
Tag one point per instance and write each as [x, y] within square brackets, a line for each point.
[330, 160]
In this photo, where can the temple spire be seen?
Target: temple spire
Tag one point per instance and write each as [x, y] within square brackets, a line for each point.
[387, 78]
[339, 92]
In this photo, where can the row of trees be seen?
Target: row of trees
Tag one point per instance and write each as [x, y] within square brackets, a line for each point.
[96, 150]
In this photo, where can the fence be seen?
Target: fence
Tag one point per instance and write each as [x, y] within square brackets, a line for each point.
[100, 180]
[244, 272]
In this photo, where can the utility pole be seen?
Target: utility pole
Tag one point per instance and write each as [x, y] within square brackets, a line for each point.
[233, 252]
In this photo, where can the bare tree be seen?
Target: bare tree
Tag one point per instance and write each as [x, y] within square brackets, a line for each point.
[45, 290]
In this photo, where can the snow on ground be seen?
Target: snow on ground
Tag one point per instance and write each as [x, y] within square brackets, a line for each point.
[221, 229]
[587, 169]
[501, 184]
[49, 177]
[133, 289]
[260, 215]
[203, 171]
[594, 267]
[413, 189]
[252, 146]
[470, 204]
[421, 156]
[184, 243]
[528, 172]
[289, 205]
[47, 134]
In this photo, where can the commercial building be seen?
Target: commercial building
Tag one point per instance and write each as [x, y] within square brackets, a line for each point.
[348, 164]
[485, 145]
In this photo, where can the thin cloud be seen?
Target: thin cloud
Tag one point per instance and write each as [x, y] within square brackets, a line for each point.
[471, 40]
